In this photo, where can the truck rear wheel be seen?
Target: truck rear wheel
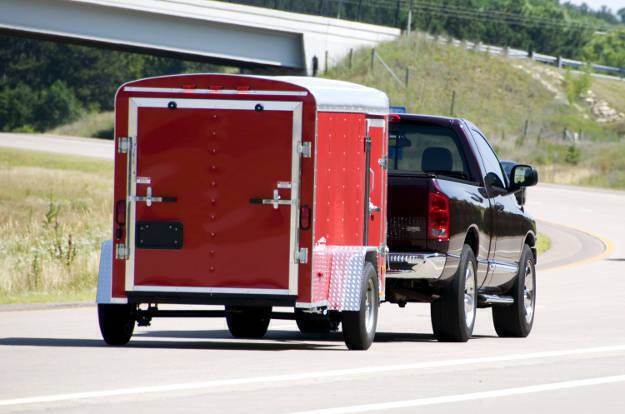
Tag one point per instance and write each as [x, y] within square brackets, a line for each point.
[117, 322]
[516, 320]
[453, 314]
[359, 326]
[248, 321]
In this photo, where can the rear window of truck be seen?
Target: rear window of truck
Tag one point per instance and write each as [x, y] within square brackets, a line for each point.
[428, 149]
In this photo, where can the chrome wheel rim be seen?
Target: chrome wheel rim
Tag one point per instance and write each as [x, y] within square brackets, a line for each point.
[369, 305]
[469, 296]
[528, 293]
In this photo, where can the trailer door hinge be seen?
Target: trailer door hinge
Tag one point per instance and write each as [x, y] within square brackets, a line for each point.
[121, 251]
[304, 148]
[302, 256]
[383, 162]
[123, 145]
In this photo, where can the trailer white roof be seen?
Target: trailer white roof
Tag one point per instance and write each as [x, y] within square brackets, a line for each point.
[340, 96]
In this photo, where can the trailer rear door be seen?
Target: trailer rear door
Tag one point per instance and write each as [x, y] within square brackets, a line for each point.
[213, 196]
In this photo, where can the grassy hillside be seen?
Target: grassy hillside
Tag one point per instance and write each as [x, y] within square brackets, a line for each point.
[500, 95]
[54, 212]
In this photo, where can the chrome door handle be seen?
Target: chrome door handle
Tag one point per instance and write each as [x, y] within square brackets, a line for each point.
[148, 199]
[275, 201]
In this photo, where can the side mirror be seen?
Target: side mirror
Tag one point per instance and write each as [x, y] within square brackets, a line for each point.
[523, 176]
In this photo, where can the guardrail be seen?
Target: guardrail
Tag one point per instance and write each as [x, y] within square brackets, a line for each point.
[558, 61]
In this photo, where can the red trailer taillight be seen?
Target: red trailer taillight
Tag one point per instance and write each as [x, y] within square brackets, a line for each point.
[438, 217]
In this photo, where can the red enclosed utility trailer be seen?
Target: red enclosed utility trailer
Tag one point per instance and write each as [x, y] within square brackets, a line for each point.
[252, 193]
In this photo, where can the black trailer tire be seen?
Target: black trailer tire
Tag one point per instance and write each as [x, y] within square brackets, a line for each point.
[117, 322]
[249, 322]
[516, 320]
[453, 314]
[314, 323]
[359, 326]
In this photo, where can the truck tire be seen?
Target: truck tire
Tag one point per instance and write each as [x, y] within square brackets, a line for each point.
[359, 326]
[117, 322]
[453, 314]
[516, 320]
[249, 322]
[314, 323]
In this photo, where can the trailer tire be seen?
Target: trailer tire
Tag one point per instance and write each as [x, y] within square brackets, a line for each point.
[249, 322]
[315, 323]
[359, 326]
[453, 314]
[117, 322]
[516, 320]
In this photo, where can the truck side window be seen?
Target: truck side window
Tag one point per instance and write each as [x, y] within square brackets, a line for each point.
[494, 173]
[426, 148]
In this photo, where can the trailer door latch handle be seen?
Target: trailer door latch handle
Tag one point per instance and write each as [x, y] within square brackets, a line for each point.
[148, 199]
[275, 201]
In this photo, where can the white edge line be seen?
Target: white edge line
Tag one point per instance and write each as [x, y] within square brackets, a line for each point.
[468, 397]
[303, 376]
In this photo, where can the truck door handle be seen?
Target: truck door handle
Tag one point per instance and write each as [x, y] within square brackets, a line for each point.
[499, 207]
[275, 201]
[149, 199]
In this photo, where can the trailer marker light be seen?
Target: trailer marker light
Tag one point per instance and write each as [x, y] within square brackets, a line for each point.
[215, 88]
[394, 119]
[243, 89]
[189, 88]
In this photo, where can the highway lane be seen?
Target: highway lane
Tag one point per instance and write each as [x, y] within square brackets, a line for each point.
[88, 147]
[574, 360]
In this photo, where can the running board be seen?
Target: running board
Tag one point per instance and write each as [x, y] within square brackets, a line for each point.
[485, 300]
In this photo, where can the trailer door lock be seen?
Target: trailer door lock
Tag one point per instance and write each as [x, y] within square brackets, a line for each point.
[275, 201]
[148, 199]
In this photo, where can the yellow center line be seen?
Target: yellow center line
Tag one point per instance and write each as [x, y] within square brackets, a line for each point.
[609, 247]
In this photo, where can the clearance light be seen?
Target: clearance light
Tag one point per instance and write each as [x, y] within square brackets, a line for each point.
[243, 89]
[394, 119]
[215, 88]
[438, 217]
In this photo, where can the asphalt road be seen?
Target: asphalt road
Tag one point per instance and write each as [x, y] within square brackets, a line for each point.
[89, 147]
[54, 360]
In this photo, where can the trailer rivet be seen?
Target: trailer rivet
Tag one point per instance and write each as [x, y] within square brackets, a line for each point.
[213, 184]
[213, 201]
[212, 268]
[213, 234]
[213, 168]
[211, 252]
[212, 217]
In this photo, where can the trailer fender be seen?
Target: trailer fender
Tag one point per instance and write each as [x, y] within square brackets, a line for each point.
[105, 274]
[345, 277]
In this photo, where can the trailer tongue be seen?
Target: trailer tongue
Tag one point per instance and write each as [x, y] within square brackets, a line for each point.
[247, 192]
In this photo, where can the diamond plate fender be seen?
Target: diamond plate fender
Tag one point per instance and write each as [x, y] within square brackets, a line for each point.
[105, 275]
[345, 280]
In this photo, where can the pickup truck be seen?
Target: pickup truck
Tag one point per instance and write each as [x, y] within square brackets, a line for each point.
[458, 234]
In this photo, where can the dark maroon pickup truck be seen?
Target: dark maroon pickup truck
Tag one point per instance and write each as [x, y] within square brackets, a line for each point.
[458, 236]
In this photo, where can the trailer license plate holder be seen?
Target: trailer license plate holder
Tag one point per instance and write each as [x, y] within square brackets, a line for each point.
[166, 235]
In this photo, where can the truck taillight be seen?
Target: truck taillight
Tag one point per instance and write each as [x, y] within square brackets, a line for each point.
[438, 217]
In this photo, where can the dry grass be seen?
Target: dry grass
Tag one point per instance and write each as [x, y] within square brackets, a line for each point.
[99, 125]
[52, 221]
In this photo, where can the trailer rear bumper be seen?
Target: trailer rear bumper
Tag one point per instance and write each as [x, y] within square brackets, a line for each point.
[207, 298]
[416, 265]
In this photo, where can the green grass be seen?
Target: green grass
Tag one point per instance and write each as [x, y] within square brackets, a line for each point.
[90, 124]
[55, 211]
[542, 244]
[499, 95]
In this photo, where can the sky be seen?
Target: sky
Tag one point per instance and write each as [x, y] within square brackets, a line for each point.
[596, 4]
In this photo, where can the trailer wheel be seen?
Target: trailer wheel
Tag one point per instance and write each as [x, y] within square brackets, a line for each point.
[516, 320]
[453, 314]
[315, 323]
[248, 321]
[359, 326]
[117, 322]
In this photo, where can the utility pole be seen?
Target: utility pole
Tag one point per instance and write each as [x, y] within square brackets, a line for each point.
[409, 24]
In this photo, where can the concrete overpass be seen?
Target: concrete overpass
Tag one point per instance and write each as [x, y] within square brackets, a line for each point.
[223, 33]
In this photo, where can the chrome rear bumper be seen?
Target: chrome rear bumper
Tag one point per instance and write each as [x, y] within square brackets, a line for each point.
[415, 265]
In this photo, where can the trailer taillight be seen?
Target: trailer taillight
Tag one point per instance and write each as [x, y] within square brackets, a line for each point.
[438, 217]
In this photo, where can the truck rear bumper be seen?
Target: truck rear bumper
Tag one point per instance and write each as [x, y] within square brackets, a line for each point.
[416, 265]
